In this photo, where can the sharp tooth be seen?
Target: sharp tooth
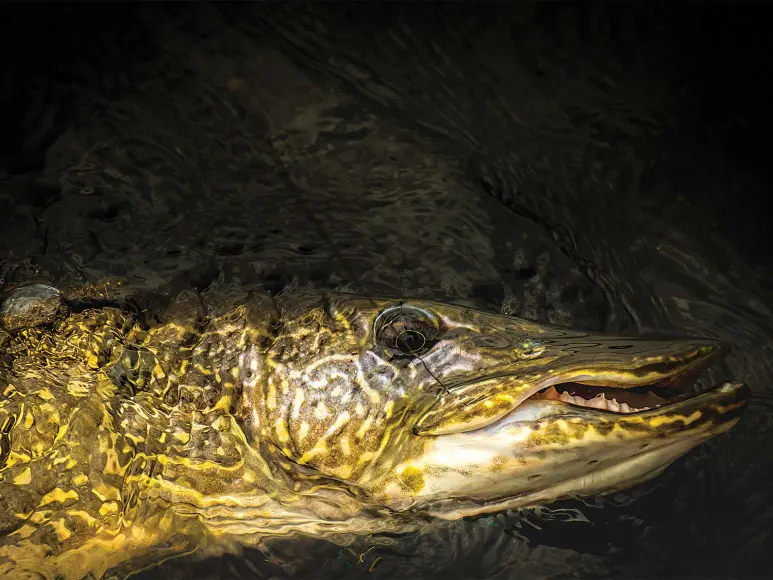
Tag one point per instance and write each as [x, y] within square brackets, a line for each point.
[625, 408]
[551, 393]
[598, 403]
[613, 405]
[566, 397]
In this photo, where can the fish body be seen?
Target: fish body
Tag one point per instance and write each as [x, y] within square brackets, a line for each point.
[221, 423]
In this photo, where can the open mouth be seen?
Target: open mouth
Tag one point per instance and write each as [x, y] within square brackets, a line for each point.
[625, 396]
[610, 379]
[614, 400]
[619, 397]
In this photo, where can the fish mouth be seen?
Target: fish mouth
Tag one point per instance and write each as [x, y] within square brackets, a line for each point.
[623, 396]
[611, 399]
[620, 386]
[617, 397]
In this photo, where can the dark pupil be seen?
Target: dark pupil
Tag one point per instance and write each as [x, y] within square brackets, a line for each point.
[410, 341]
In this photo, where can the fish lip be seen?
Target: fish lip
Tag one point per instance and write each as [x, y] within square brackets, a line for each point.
[720, 409]
[725, 393]
[684, 381]
[724, 402]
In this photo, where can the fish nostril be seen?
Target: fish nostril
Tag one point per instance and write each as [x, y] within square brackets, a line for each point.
[528, 349]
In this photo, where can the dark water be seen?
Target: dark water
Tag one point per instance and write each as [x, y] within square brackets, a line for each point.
[595, 166]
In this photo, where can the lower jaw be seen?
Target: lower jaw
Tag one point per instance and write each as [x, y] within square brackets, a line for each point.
[611, 478]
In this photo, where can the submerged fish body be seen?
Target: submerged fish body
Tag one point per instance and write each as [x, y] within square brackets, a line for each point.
[219, 425]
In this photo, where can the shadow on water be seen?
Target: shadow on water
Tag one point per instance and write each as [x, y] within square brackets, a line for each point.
[592, 166]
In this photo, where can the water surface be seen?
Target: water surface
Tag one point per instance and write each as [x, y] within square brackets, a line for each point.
[531, 160]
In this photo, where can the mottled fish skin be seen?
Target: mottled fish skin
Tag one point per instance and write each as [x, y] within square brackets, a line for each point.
[230, 421]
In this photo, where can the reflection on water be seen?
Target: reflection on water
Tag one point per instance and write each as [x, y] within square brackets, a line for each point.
[502, 160]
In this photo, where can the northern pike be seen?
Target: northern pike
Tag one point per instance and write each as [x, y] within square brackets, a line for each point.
[126, 439]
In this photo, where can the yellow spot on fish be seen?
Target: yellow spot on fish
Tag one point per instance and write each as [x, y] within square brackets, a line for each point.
[105, 492]
[135, 439]
[224, 403]
[342, 320]
[303, 431]
[202, 370]
[271, 395]
[182, 437]
[28, 421]
[24, 532]
[158, 372]
[80, 479]
[58, 496]
[222, 424]
[62, 533]
[340, 421]
[92, 360]
[40, 516]
[109, 507]
[281, 431]
[14, 458]
[412, 478]
[61, 433]
[343, 472]
[24, 478]
[345, 449]
[656, 422]
[45, 394]
[361, 432]
[300, 395]
[85, 516]
[318, 449]
[388, 408]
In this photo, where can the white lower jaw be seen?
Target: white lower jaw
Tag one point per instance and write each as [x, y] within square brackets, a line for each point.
[610, 478]
[477, 472]
[504, 466]
[529, 411]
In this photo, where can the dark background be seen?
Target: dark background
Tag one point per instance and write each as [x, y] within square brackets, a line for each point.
[701, 70]
[715, 56]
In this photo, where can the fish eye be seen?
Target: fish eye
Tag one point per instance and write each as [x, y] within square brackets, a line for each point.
[406, 331]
